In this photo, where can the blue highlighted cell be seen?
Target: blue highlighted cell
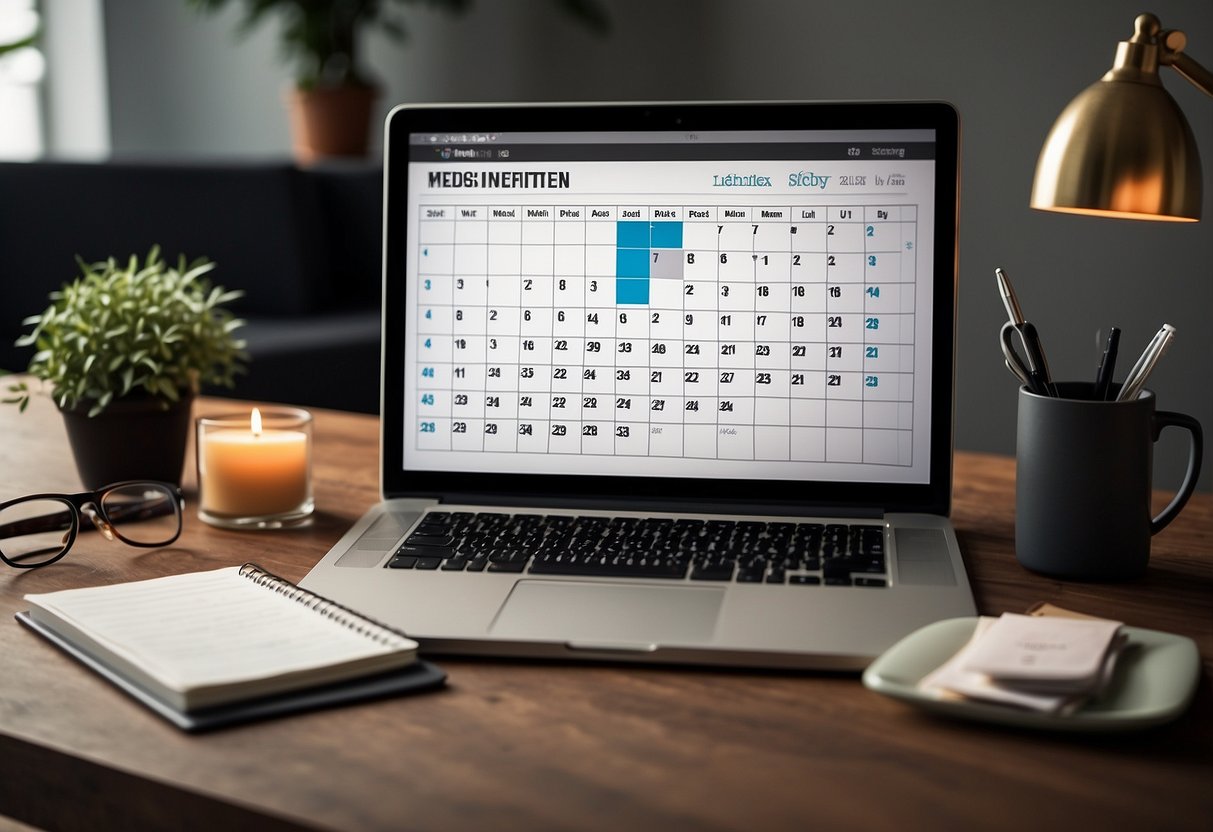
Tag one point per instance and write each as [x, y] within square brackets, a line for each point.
[666, 235]
[631, 291]
[632, 234]
[631, 262]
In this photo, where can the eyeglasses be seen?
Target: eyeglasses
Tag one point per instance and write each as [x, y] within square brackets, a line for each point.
[39, 529]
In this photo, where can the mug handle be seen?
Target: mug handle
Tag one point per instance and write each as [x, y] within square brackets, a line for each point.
[1163, 419]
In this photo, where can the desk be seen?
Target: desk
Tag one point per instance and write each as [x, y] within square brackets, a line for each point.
[524, 745]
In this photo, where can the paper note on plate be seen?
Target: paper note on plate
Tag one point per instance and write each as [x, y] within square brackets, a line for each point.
[1042, 663]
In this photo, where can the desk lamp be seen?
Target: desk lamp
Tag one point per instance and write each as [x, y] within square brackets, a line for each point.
[1123, 148]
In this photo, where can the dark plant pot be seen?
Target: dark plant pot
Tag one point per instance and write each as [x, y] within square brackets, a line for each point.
[135, 438]
[330, 121]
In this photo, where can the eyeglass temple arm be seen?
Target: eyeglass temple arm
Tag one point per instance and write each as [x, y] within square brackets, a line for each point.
[54, 522]
[33, 525]
[158, 508]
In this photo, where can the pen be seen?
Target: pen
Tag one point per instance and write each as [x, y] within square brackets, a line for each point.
[1041, 379]
[1103, 376]
[1036, 357]
[1141, 362]
[1009, 301]
[1156, 350]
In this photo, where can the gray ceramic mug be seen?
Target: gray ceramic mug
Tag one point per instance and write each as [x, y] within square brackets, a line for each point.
[1083, 482]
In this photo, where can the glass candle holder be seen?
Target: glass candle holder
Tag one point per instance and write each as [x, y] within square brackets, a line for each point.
[255, 469]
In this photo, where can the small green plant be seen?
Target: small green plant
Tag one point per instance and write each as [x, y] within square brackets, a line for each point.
[122, 329]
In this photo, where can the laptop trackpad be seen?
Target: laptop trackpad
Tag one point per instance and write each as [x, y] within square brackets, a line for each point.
[604, 614]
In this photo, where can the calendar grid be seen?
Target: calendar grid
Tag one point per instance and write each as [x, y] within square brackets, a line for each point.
[804, 354]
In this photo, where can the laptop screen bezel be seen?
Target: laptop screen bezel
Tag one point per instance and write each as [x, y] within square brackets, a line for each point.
[931, 497]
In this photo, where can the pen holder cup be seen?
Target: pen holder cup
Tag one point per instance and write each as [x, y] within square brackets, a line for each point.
[1084, 480]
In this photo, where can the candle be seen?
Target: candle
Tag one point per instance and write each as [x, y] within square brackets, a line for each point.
[254, 474]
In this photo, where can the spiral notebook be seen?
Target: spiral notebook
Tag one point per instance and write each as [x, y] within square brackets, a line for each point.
[207, 649]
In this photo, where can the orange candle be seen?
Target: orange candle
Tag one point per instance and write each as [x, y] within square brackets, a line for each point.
[253, 472]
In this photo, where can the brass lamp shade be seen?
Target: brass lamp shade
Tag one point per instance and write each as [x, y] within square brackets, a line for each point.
[1122, 148]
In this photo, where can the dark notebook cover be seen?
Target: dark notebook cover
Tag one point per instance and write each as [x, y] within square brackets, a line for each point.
[419, 676]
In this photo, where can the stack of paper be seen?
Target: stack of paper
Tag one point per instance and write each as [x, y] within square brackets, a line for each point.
[1043, 663]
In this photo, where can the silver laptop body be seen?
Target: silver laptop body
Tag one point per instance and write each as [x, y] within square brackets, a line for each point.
[724, 331]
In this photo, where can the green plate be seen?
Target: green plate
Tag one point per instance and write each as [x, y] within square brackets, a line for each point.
[1154, 681]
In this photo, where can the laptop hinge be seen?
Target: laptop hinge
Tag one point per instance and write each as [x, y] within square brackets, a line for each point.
[615, 503]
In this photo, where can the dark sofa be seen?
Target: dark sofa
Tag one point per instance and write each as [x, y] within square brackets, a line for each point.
[303, 244]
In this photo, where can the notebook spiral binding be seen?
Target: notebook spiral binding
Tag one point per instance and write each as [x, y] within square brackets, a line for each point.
[342, 615]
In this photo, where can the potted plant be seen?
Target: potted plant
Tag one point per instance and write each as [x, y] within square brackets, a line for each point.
[333, 94]
[330, 104]
[125, 348]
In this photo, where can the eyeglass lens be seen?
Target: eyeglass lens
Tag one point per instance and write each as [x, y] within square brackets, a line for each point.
[35, 531]
[142, 513]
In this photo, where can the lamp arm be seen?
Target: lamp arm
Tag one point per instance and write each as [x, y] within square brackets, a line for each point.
[1172, 55]
[1196, 74]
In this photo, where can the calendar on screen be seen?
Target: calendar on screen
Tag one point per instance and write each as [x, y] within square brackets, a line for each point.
[724, 305]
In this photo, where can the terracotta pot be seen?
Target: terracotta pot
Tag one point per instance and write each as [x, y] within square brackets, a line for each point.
[135, 438]
[330, 121]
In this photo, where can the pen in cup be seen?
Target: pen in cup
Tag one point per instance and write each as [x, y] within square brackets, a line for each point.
[1033, 369]
[1107, 364]
[1141, 360]
[1155, 350]
[1139, 364]
[1009, 301]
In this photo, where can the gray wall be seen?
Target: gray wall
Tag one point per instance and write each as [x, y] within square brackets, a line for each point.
[183, 85]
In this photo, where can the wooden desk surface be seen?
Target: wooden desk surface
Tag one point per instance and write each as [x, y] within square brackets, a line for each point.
[524, 745]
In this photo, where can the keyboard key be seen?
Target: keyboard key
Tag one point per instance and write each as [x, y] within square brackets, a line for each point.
[868, 564]
[837, 568]
[399, 562]
[871, 582]
[426, 551]
[714, 572]
[600, 569]
[428, 563]
[804, 580]
[507, 567]
[838, 580]
[429, 540]
[454, 564]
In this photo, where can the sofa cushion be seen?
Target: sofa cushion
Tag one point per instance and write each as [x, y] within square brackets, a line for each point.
[351, 206]
[259, 222]
[329, 360]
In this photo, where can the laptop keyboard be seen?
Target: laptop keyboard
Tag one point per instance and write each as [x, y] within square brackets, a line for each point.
[808, 554]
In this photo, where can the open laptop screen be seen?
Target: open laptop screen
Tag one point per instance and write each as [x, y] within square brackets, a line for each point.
[576, 298]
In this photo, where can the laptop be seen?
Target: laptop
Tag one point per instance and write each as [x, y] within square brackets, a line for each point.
[664, 383]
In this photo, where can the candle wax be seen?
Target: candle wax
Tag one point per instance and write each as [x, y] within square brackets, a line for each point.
[243, 474]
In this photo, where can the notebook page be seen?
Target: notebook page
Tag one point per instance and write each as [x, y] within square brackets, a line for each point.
[210, 628]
